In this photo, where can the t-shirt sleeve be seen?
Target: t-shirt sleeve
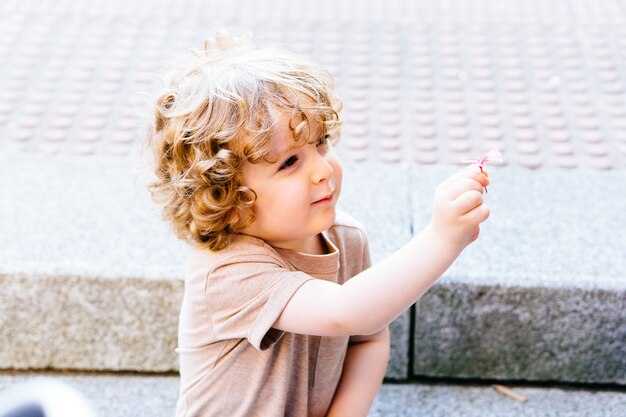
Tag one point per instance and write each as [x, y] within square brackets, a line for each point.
[367, 257]
[246, 294]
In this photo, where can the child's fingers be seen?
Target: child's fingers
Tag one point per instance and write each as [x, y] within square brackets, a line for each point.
[463, 185]
[452, 179]
[482, 177]
[478, 214]
[469, 172]
[467, 202]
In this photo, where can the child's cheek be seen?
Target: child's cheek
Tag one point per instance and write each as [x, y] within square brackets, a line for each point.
[337, 175]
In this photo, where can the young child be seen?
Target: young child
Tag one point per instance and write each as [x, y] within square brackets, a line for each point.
[282, 314]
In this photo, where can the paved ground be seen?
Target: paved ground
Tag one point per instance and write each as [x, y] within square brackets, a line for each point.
[155, 396]
[423, 82]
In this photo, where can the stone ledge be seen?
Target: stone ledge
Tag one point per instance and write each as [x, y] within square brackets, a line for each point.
[542, 294]
[92, 276]
[95, 276]
[521, 333]
[89, 323]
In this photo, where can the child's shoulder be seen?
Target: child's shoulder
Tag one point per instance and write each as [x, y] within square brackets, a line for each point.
[344, 220]
[348, 226]
[241, 248]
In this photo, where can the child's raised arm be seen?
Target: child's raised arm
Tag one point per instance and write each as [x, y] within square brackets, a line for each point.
[371, 300]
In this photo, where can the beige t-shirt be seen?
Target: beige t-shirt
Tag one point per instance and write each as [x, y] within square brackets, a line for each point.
[232, 362]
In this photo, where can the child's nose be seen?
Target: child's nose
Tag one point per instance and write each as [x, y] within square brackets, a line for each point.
[322, 170]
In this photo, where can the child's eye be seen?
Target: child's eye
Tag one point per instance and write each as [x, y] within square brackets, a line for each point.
[288, 163]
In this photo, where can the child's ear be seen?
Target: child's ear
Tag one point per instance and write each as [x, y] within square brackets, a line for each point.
[239, 218]
[233, 218]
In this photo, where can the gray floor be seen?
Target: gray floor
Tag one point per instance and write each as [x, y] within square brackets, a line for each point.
[155, 396]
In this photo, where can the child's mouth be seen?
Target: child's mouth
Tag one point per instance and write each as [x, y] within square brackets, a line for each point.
[328, 198]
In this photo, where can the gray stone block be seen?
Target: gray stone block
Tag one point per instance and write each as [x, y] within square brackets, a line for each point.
[89, 268]
[95, 276]
[377, 195]
[91, 276]
[73, 216]
[88, 323]
[542, 294]
[543, 334]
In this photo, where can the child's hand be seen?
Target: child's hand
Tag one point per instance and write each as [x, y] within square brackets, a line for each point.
[458, 207]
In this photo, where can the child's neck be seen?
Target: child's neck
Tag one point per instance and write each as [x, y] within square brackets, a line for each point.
[315, 245]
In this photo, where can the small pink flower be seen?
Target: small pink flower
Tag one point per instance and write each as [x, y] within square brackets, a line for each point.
[481, 161]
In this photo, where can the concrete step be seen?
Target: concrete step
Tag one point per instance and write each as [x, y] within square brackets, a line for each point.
[120, 395]
[91, 277]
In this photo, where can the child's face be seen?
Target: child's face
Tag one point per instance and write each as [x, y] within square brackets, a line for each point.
[297, 194]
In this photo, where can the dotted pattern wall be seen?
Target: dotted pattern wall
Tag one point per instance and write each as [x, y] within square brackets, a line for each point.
[543, 81]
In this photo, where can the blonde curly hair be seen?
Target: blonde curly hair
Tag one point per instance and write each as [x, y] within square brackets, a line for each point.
[216, 111]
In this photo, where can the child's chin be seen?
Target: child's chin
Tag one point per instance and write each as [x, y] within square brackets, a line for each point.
[330, 220]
